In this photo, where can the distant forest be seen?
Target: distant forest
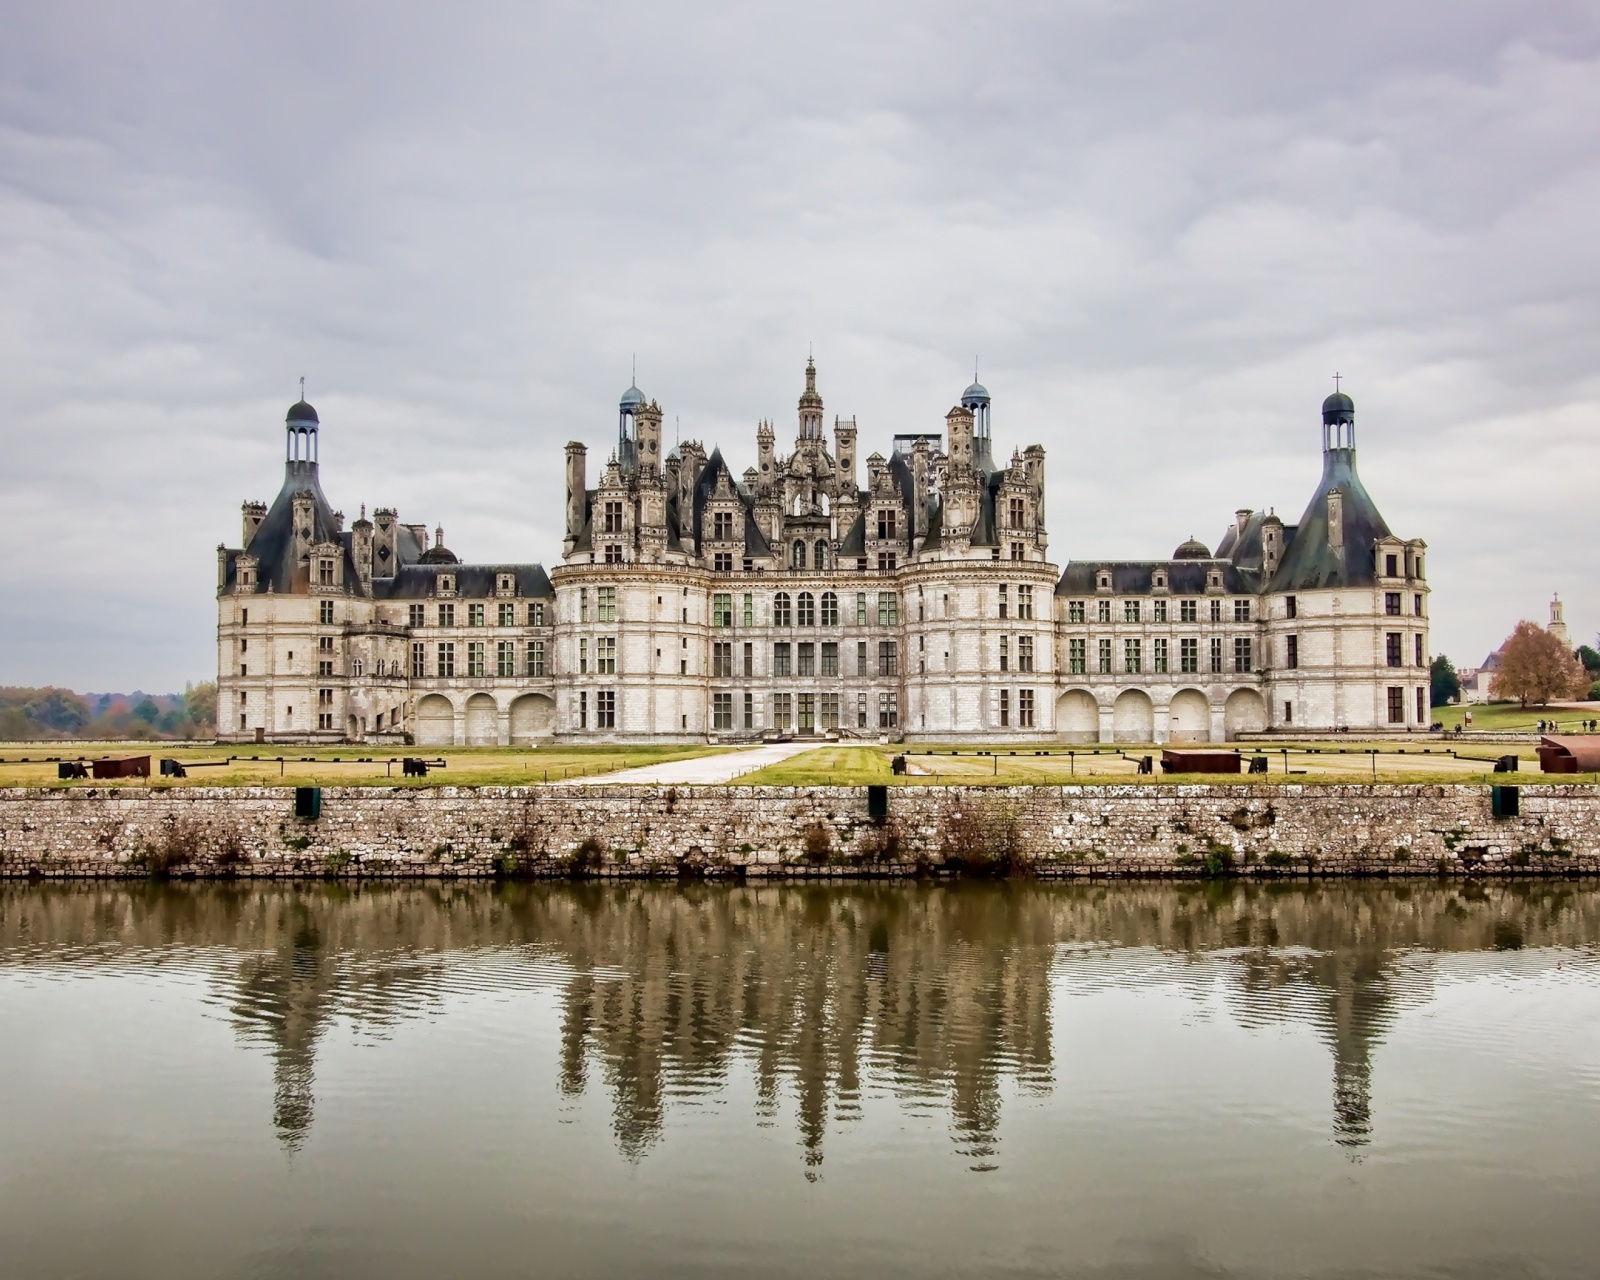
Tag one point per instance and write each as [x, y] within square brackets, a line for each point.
[49, 713]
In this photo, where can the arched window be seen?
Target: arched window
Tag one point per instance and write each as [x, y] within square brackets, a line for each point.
[780, 609]
[821, 559]
[805, 610]
[797, 558]
[830, 609]
[355, 667]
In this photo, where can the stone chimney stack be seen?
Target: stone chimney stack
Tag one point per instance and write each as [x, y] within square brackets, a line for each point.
[361, 549]
[254, 514]
[844, 455]
[385, 549]
[647, 422]
[577, 491]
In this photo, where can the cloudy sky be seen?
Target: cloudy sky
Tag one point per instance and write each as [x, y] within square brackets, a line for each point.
[1159, 228]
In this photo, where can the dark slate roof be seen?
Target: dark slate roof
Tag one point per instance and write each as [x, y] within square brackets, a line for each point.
[935, 535]
[986, 528]
[1135, 578]
[900, 469]
[1309, 562]
[473, 581]
[854, 542]
[755, 542]
[274, 542]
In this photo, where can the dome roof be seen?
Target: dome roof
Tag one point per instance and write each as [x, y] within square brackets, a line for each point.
[632, 399]
[1338, 407]
[438, 555]
[1192, 550]
[300, 411]
[976, 394]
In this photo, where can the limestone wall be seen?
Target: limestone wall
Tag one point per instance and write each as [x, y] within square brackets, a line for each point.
[1148, 830]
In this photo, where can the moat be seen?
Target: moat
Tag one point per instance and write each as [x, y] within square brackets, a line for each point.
[618, 1079]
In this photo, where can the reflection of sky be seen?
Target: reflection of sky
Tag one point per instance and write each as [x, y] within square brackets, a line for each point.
[1179, 1118]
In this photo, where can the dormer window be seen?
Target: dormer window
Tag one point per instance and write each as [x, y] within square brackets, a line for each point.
[445, 584]
[613, 517]
[325, 572]
[507, 584]
[1161, 582]
[886, 522]
[1103, 582]
[722, 526]
[1391, 566]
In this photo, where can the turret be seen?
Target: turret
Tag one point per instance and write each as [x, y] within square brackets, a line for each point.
[627, 427]
[647, 423]
[975, 399]
[1271, 545]
[810, 407]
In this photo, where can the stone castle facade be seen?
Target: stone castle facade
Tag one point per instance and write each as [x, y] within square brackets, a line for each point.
[795, 599]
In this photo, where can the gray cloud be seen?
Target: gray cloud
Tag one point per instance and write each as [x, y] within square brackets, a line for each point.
[1161, 228]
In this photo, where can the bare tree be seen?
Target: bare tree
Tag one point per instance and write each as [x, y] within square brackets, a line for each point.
[1536, 667]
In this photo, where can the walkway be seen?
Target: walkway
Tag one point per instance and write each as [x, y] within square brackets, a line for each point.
[702, 771]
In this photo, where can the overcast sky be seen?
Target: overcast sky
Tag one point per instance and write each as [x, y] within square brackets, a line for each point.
[1159, 228]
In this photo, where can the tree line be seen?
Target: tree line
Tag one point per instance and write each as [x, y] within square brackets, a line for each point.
[1535, 669]
[51, 713]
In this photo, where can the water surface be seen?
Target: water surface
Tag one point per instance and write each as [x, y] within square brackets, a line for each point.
[877, 1080]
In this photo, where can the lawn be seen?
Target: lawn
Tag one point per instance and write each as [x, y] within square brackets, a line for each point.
[1508, 716]
[235, 766]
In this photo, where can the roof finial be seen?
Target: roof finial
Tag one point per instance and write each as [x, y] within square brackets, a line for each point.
[635, 368]
[1336, 376]
[302, 389]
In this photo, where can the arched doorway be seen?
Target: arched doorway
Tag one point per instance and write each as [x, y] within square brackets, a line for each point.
[1189, 717]
[1133, 717]
[483, 721]
[533, 716]
[436, 721]
[1245, 712]
[1077, 717]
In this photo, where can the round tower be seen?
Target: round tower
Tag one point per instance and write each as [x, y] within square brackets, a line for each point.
[810, 405]
[975, 399]
[300, 431]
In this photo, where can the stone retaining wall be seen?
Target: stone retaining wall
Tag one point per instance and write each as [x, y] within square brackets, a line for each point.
[1152, 830]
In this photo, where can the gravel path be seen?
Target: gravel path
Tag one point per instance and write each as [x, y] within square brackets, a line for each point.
[702, 770]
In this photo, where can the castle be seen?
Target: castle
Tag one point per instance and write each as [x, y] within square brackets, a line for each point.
[691, 603]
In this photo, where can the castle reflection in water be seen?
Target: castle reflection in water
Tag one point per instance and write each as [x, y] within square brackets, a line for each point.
[932, 992]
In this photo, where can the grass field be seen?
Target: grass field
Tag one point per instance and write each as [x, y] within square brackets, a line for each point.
[1299, 763]
[339, 766]
[1508, 716]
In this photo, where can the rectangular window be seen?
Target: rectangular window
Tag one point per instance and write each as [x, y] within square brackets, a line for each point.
[782, 710]
[861, 658]
[475, 658]
[830, 711]
[1024, 708]
[888, 710]
[536, 657]
[508, 614]
[722, 527]
[722, 609]
[447, 615]
[583, 604]
[861, 608]
[749, 609]
[325, 573]
[1160, 607]
[781, 664]
[888, 658]
[861, 711]
[805, 659]
[1241, 653]
[1103, 612]
[1291, 607]
[1130, 611]
[1391, 645]
[1397, 706]
[1391, 603]
[749, 711]
[447, 659]
[605, 655]
[805, 720]
[886, 522]
[419, 660]
[1416, 605]
[888, 609]
[1024, 601]
[886, 561]
[536, 614]
[1216, 611]
[805, 610]
[505, 659]
[417, 615]
[1216, 655]
[722, 562]
[722, 660]
[1105, 657]
[782, 615]
[1391, 566]
[605, 604]
[830, 659]
[1291, 656]
[1024, 653]
[325, 612]
[1132, 657]
[1288, 713]
[605, 709]
[1005, 653]
[583, 657]
[1188, 611]
[749, 660]
[474, 615]
[1005, 708]
[1075, 611]
[1077, 657]
[722, 711]
[1016, 509]
[1422, 706]
[1189, 656]
[1418, 639]
[1241, 611]
[1160, 655]
[1003, 601]
[583, 711]
[613, 517]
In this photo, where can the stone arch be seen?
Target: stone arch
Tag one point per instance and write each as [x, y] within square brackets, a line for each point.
[483, 721]
[1077, 716]
[820, 559]
[436, 721]
[1133, 717]
[1189, 717]
[1244, 712]
[533, 716]
[797, 554]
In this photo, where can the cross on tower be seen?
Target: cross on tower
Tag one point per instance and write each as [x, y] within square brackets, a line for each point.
[1336, 378]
